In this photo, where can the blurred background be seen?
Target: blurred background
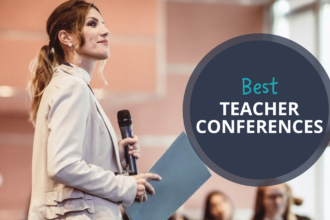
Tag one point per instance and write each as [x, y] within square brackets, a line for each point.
[155, 45]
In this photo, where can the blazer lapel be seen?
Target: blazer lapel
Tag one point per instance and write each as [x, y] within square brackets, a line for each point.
[112, 133]
[77, 71]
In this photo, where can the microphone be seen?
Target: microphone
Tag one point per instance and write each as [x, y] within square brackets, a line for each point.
[126, 130]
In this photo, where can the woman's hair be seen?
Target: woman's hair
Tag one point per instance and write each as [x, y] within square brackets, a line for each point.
[207, 212]
[69, 16]
[259, 209]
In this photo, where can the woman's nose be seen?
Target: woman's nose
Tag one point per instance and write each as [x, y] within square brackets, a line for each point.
[278, 200]
[105, 32]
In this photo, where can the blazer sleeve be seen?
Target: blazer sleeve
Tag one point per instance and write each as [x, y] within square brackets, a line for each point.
[67, 121]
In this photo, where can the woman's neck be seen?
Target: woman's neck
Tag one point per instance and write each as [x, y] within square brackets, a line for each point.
[83, 62]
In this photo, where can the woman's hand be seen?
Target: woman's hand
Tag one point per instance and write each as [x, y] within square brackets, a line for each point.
[143, 186]
[134, 149]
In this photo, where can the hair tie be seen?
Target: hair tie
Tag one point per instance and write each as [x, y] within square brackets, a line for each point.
[50, 44]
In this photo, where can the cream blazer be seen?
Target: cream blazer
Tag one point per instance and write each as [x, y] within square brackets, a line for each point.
[75, 155]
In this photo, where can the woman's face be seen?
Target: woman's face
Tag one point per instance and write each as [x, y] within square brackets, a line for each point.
[275, 200]
[96, 37]
[220, 208]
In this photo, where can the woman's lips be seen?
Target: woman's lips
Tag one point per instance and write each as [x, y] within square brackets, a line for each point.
[103, 42]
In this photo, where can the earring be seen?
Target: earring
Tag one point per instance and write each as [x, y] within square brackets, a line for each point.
[70, 44]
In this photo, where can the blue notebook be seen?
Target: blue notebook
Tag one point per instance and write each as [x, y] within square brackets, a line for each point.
[182, 173]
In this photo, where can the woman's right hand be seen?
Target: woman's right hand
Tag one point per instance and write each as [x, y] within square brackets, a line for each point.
[143, 186]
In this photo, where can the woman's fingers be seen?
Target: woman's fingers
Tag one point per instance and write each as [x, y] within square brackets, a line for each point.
[133, 146]
[152, 176]
[145, 197]
[141, 194]
[149, 188]
[135, 137]
[140, 190]
[135, 151]
[136, 154]
[129, 141]
[144, 186]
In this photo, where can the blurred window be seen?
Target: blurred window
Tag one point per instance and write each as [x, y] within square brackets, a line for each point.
[325, 36]
[296, 20]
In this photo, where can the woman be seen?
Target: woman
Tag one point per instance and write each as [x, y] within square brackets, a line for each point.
[274, 203]
[76, 157]
[218, 207]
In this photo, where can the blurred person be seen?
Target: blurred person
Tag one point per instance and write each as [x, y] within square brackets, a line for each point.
[218, 206]
[274, 203]
[76, 156]
[177, 216]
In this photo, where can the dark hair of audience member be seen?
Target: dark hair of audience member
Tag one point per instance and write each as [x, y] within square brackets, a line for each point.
[207, 213]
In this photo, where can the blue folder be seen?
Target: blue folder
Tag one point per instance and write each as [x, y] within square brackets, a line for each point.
[182, 173]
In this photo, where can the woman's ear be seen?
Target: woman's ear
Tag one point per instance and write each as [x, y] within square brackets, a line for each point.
[65, 38]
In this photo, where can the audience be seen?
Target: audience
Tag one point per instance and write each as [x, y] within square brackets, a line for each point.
[274, 203]
[218, 206]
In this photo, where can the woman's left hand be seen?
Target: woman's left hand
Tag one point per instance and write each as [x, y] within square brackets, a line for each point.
[134, 149]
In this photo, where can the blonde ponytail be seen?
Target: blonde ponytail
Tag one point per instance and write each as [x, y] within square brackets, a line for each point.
[41, 77]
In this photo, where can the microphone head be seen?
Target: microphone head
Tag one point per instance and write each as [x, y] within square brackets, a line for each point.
[124, 118]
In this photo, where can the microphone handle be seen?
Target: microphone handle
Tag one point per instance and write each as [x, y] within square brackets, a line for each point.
[127, 131]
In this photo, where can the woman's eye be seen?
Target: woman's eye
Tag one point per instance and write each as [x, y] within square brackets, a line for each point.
[92, 23]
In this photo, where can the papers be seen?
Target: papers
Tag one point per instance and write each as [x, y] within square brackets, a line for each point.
[182, 174]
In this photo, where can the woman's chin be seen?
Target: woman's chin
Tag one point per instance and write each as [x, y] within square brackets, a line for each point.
[103, 56]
